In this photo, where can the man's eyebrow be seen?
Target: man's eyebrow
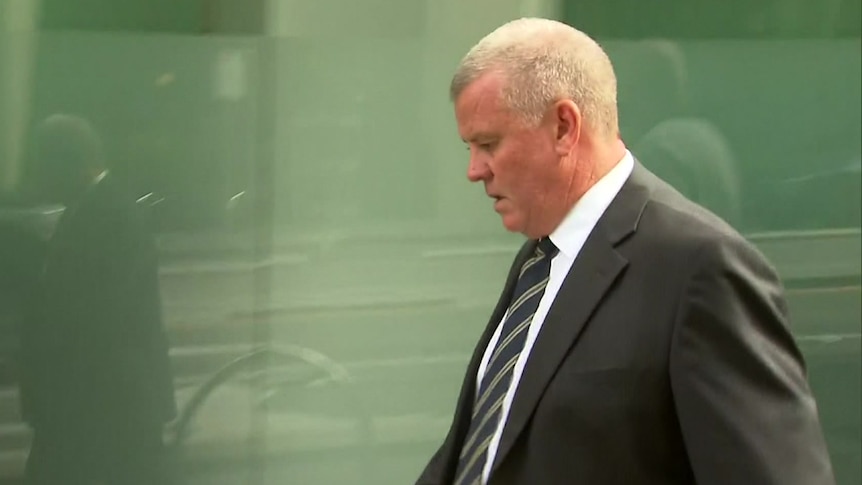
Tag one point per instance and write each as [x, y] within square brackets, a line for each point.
[479, 136]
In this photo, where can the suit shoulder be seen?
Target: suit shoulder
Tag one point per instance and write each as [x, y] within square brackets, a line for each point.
[671, 221]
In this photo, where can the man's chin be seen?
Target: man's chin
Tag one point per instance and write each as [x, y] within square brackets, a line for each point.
[512, 223]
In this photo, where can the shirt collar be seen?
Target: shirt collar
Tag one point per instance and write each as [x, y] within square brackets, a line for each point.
[570, 235]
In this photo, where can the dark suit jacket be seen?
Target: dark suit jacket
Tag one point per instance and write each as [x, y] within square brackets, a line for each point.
[666, 358]
[95, 353]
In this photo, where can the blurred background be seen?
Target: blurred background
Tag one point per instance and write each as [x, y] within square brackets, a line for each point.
[325, 268]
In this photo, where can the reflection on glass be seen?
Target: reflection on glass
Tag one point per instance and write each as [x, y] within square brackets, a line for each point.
[319, 324]
[95, 383]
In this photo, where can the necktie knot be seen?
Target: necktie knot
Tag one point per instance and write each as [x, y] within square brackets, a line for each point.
[546, 247]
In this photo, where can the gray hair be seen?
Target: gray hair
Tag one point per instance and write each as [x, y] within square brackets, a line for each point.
[544, 61]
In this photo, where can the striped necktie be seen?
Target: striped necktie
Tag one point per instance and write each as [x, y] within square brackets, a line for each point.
[498, 373]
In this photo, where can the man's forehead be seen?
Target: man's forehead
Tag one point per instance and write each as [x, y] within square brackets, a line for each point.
[479, 109]
[484, 91]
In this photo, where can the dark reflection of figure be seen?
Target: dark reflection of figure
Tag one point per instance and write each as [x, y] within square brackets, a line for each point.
[96, 386]
[22, 249]
[688, 151]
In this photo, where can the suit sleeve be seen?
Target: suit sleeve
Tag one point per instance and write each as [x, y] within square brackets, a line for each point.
[739, 382]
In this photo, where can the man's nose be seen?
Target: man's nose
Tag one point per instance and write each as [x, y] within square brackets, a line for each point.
[477, 169]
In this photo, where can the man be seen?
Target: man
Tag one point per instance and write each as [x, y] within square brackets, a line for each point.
[639, 339]
[97, 386]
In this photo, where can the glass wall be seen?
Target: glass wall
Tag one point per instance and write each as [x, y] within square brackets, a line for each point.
[324, 268]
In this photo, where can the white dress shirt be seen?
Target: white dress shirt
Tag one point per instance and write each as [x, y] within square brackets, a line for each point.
[569, 237]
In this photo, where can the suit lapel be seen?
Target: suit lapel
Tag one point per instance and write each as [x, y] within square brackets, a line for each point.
[463, 410]
[593, 273]
[502, 305]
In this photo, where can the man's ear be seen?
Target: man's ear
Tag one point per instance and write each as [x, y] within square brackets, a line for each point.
[568, 121]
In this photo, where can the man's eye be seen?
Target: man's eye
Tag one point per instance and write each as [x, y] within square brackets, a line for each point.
[485, 147]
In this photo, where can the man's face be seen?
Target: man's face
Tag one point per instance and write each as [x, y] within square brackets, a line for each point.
[517, 163]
